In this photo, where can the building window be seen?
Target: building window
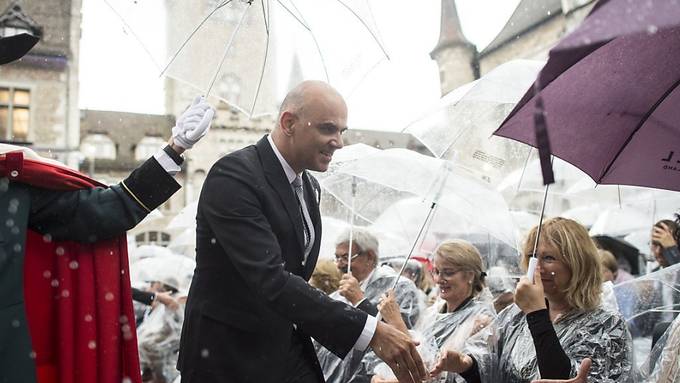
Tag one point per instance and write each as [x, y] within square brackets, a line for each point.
[147, 147]
[14, 114]
[98, 146]
[153, 238]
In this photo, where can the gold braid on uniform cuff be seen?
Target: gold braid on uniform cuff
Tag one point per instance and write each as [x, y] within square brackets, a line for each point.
[135, 197]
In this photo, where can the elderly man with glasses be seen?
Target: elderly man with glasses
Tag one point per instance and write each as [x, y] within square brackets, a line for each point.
[362, 285]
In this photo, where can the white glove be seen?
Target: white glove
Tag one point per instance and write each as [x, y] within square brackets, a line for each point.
[193, 124]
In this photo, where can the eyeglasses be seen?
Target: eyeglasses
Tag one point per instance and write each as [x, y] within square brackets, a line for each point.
[444, 273]
[345, 257]
[545, 259]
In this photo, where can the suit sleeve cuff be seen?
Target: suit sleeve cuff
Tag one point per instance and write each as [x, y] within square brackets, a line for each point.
[167, 163]
[366, 334]
[150, 185]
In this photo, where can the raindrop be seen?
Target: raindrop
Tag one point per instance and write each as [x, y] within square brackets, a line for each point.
[205, 353]
[123, 319]
[73, 265]
[4, 184]
[9, 222]
[65, 293]
[47, 238]
[31, 354]
[47, 274]
[88, 318]
[213, 240]
[15, 230]
[109, 296]
[54, 283]
[13, 206]
[60, 250]
[16, 323]
[91, 345]
[652, 29]
[17, 248]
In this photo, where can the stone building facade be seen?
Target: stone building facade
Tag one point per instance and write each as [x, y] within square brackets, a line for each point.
[39, 93]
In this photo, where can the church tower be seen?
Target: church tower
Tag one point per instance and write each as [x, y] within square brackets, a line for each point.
[456, 57]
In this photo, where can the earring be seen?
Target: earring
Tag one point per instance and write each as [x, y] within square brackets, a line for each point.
[469, 282]
[552, 273]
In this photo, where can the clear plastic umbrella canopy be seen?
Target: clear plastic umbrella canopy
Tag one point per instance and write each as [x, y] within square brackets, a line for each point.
[495, 241]
[460, 126]
[237, 49]
[621, 221]
[392, 175]
[173, 270]
[647, 301]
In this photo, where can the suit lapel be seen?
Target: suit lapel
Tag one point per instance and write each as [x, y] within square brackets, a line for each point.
[279, 182]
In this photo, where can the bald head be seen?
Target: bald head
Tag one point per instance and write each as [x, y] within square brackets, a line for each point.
[307, 94]
[309, 126]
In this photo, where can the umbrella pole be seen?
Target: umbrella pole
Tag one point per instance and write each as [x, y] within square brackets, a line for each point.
[351, 225]
[533, 260]
[438, 185]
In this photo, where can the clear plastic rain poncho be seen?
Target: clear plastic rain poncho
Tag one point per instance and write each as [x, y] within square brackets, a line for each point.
[353, 368]
[663, 363]
[505, 351]
[437, 329]
[158, 338]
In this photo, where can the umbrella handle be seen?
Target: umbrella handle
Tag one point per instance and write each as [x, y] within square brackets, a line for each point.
[531, 269]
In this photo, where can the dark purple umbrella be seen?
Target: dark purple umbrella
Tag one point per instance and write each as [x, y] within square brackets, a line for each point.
[611, 97]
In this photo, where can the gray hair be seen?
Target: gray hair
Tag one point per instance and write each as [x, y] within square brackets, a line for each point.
[362, 238]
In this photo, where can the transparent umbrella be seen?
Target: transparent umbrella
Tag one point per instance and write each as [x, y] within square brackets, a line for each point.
[184, 243]
[174, 270]
[234, 49]
[392, 175]
[647, 301]
[462, 122]
[620, 221]
[405, 217]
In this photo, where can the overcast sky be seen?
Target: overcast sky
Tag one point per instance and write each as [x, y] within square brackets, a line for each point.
[116, 74]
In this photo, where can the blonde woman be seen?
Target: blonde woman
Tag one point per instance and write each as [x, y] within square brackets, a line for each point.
[555, 323]
[459, 313]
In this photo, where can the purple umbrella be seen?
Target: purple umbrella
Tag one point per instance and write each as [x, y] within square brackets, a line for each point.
[612, 104]
[608, 99]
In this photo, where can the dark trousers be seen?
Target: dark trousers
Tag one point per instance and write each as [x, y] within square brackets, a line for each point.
[300, 366]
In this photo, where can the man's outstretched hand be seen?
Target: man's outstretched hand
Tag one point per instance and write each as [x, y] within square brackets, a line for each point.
[398, 350]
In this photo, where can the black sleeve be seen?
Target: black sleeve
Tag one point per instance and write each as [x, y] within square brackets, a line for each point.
[553, 362]
[91, 215]
[368, 307]
[144, 297]
[472, 374]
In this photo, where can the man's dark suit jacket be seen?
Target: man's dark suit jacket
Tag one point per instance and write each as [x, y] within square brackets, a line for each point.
[249, 288]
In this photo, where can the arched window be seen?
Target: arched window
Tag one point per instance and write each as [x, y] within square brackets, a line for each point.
[147, 147]
[98, 146]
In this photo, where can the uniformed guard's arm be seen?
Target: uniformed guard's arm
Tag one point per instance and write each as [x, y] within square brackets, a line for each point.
[90, 215]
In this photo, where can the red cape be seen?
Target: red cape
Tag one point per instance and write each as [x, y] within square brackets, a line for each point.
[78, 296]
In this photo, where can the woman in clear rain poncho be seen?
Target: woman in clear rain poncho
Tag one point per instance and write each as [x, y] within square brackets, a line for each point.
[555, 323]
[458, 314]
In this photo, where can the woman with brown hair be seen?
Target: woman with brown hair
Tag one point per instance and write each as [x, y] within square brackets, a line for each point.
[556, 322]
[459, 312]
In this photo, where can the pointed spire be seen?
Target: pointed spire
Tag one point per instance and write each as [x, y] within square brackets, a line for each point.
[450, 33]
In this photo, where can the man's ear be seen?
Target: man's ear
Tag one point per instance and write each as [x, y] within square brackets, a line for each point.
[287, 123]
